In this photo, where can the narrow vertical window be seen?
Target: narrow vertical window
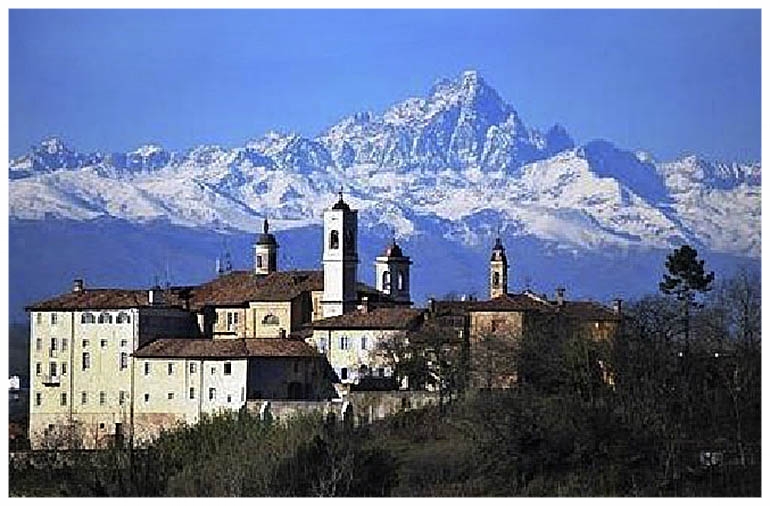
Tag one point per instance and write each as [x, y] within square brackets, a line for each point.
[38, 369]
[38, 399]
[38, 344]
[64, 344]
[53, 344]
[192, 392]
[86, 361]
[170, 368]
[64, 368]
[123, 360]
[83, 397]
[212, 394]
[146, 368]
[122, 397]
[54, 318]
[334, 240]
[102, 398]
[63, 399]
[228, 368]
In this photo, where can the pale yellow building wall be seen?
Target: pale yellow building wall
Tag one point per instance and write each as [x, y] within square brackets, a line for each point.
[95, 419]
[352, 358]
[163, 400]
[259, 310]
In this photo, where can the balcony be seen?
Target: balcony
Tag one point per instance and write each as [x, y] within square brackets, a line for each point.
[49, 380]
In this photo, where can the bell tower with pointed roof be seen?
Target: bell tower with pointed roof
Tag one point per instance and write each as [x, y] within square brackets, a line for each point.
[498, 270]
[340, 259]
[265, 252]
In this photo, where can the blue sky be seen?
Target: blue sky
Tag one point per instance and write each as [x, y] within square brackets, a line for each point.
[669, 82]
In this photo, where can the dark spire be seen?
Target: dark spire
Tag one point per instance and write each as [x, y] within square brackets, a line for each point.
[266, 237]
[341, 203]
[265, 226]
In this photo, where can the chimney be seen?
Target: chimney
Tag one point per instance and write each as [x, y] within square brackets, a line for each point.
[77, 286]
[560, 296]
[617, 306]
[365, 304]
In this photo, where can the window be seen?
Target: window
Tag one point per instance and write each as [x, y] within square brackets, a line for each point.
[54, 318]
[322, 345]
[63, 399]
[381, 372]
[344, 342]
[495, 279]
[344, 373]
[334, 240]
[86, 343]
[228, 368]
[171, 396]
[229, 398]
[103, 343]
[102, 398]
[123, 317]
[64, 344]
[122, 397]
[86, 361]
[101, 425]
[64, 368]
[146, 397]
[271, 319]
[86, 318]
[39, 318]
[259, 262]
[386, 280]
[363, 343]
[123, 360]
[192, 368]
[38, 344]
[170, 368]
[53, 344]
[38, 399]
[146, 368]
[213, 371]
[83, 397]
[38, 369]
[400, 280]
[105, 318]
[212, 394]
[52, 369]
[192, 393]
[123, 343]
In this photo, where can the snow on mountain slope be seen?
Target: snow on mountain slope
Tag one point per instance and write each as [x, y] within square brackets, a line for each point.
[454, 164]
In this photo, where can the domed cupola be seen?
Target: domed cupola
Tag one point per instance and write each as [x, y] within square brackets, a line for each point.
[265, 252]
[391, 271]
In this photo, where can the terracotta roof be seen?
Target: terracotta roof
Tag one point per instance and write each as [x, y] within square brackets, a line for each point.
[108, 298]
[588, 310]
[390, 318]
[510, 302]
[225, 348]
[238, 288]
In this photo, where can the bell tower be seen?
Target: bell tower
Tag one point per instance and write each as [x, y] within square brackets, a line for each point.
[498, 271]
[340, 259]
[265, 252]
[391, 271]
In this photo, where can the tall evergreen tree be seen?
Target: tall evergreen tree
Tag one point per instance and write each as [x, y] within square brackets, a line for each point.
[686, 278]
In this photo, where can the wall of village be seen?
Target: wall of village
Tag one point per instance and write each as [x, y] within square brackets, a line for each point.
[288, 378]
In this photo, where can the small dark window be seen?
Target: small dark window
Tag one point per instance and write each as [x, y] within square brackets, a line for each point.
[344, 373]
[192, 393]
[259, 262]
[334, 240]
[146, 368]
[228, 368]
[38, 399]
[64, 399]
[496, 279]
[101, 426]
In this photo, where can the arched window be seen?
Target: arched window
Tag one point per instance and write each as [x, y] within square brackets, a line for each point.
[386, 280]
[259, 262]
[271, 319]
[123, 317]
[495, 279]
[334, 240]
[88, 318]
[105, 318]
[400, 280]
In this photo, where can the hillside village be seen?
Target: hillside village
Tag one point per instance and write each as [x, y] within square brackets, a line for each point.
[120, 365]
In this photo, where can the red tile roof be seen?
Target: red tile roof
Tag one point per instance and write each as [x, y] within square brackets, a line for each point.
[107, 298]
[225, 348]
[392, 318]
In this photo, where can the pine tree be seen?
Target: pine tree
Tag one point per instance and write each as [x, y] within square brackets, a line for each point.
[686, 279]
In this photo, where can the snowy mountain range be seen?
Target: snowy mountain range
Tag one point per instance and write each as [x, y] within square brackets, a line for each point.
[459, 163]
